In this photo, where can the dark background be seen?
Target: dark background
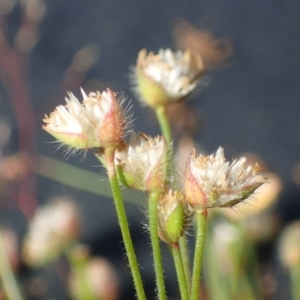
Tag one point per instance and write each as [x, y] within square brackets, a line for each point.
[249, 104]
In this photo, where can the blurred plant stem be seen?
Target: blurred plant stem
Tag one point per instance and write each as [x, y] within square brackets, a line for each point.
[295, 280]
[80, 179]
[153, 226]
[201, 220]
[231, 263]
[9, 281]
[216, 289]
[184, 292]
[78, 265]
[123, 223]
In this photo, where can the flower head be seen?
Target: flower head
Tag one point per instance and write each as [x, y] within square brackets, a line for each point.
[98, 121]
[141, 164]
[210, 181]
[167, 77]
[53, 228]
[172, 216]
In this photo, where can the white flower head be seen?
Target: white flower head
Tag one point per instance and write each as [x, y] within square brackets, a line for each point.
[52, 228]
[141, 164]
[210, 181]
[97, 121]
[167, 76]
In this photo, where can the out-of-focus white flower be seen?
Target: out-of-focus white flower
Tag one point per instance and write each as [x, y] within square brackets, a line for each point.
[167, 76]
[210, 181]
[289, 246]
[93, 277]
[142, 164]
[98, 121]
[53, 228]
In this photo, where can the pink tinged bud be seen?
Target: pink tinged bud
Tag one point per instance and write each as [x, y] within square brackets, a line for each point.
[98, 121]
[172, 216]
[112, 130]
[142, 164]
[210, 181]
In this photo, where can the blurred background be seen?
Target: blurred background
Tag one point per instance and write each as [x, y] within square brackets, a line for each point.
[248, 102]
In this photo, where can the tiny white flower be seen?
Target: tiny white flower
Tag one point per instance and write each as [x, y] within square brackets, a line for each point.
[142, 163]
[96, 121]
[210, 181]
[167, 76]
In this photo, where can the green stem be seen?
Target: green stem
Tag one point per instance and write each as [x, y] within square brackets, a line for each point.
[183, 246]
[123, 223]
[216, 284]
[201, 218]
[11, 287]
[153, 224]
[180, 271]
[295, 279]
[164, 123]
[167, 133]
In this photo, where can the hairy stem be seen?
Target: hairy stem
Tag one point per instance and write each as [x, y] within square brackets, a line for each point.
[153, 224]
[183, 247]
[164, 123]
[179, 271]
[123, 223]
[201, 219]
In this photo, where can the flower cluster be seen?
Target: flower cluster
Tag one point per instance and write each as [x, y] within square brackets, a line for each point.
[145, 163]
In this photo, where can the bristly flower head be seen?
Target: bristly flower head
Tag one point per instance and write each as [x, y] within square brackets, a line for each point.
[172, 216]
[167, 77]
[210, 181]
[142, 164]
[98, 121]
